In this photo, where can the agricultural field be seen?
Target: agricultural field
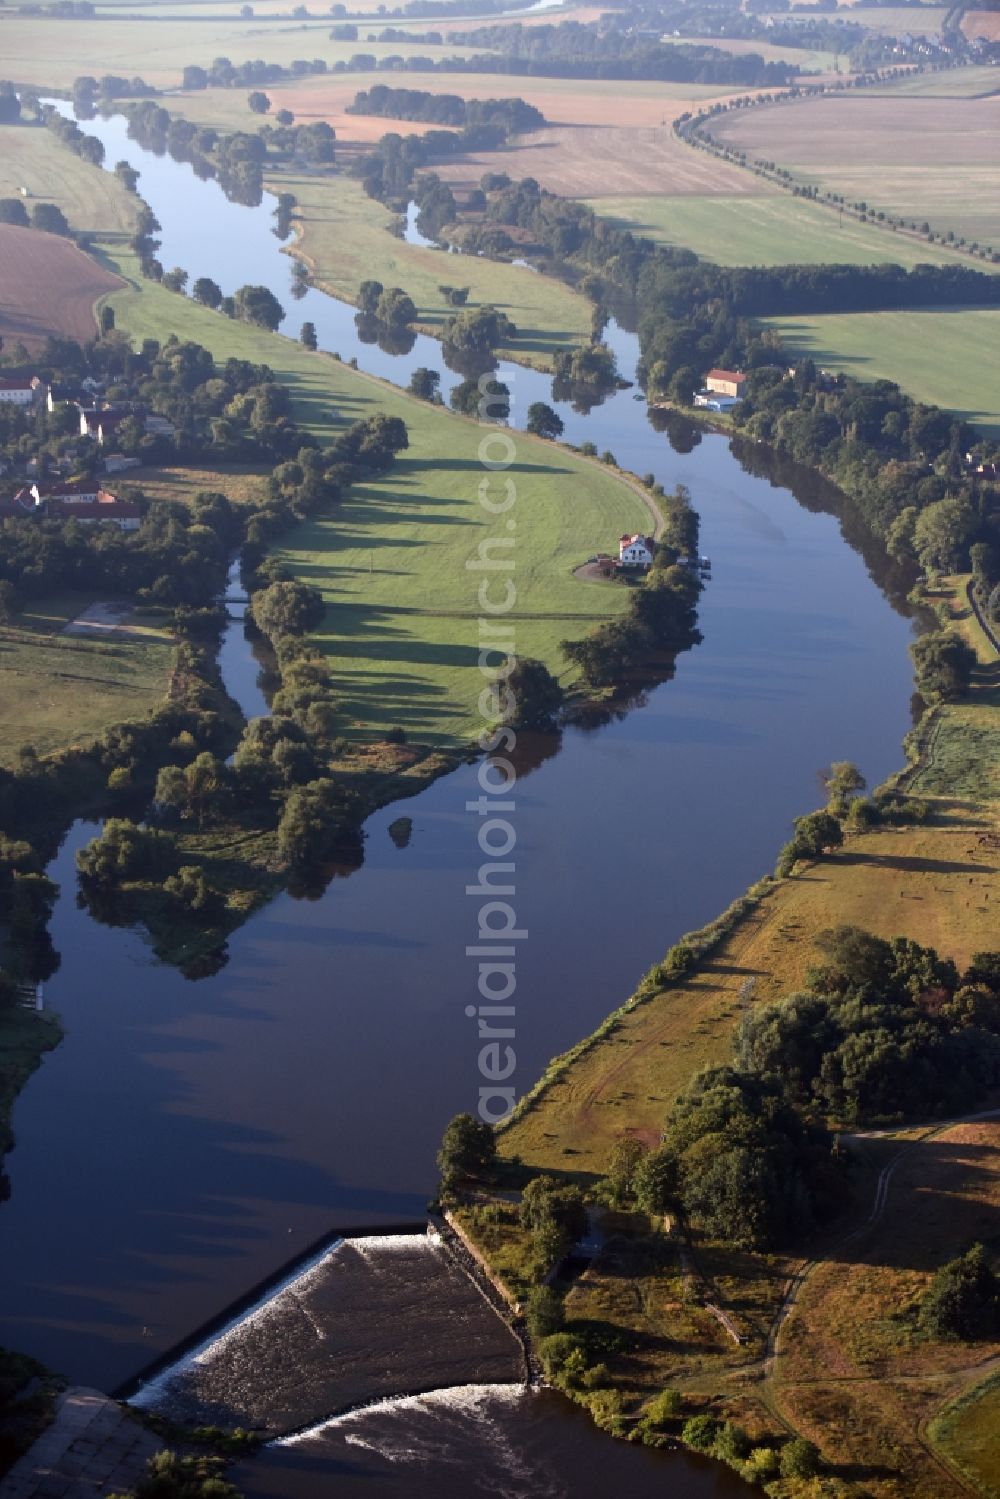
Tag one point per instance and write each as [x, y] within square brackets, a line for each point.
[769, 229]
[948, 356]
[924, 159]
[47, 286]
[951, 83]
[984, 23]
[803, 57]
[401, 623]
[58, 689]
[51, 53]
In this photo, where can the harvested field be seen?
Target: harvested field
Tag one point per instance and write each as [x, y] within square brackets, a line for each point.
[921, 158]
[572, 159]
[92, 200]
[984, 23]
[47, 286]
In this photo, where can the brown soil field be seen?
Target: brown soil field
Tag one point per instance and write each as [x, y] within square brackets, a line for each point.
[47, 286]
[888, 131]
[982, 23]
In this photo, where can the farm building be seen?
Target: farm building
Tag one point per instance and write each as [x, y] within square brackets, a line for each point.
[635, 551]
[710, 401]
[99, 422]
[68, 491]
[81, 500]
[726, 383]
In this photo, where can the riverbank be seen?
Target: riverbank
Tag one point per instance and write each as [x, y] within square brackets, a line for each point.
[822, 1351]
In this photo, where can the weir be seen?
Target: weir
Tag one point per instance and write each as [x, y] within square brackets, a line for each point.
[366, 1319]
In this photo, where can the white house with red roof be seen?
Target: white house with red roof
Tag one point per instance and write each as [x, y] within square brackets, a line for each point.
[22, 390]
[635, 551]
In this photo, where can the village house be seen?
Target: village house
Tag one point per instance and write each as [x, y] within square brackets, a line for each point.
[83, 500]
[22, 390]
[99, 422]
[635, 551]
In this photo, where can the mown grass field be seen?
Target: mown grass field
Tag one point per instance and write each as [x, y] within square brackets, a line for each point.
[90, 198]
[401, 624]
[947, 356]
[922, 158]
[966, 1434]
[770, 229]
[58, 690]
[345, 238]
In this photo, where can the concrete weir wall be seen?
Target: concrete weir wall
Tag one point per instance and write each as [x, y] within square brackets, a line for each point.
[372, 1317]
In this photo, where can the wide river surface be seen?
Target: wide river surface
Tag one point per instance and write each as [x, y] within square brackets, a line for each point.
[187, 1138]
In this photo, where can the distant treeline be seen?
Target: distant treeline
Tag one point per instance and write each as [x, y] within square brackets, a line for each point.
[609, 49]
[513, 115]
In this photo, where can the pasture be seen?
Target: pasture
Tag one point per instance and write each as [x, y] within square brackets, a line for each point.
[947, 356]
[924, 159]
[985, 23]
[402, 610]
[57, 690]
[965, 1433]
[769, 229]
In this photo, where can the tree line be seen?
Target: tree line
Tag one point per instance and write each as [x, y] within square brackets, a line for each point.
[513, 115]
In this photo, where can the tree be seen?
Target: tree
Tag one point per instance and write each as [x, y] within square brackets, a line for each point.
[258, 304]
[842, 781]
[655, 1183]
[287, 608]
[468, 1149]
[545, 1313]
[424, 383]
[683, 385]
[307, 336]
[944, 664]
[395, 309]
[814, 834]
[963, 1300]
[13, 211]
[285, 118]
[543, 421]
[488, 400]
[207, 292]
[175, 280]
[799, 1459]
[626, 1157]
[369, 293]
[942, 534]
[546, 1200]
[48, 217]
[259, 102]
[537, 695]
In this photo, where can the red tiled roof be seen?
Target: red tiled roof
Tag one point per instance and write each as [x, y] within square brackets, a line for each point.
[726, 375]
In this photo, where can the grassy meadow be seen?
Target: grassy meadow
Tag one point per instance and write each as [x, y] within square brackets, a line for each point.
[91, 199]
[769, 229]
[965, 1434]
[57, 690]
[947, 356]
[402, 610]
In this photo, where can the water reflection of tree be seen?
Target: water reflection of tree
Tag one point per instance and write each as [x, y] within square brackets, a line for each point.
[821, 497]
[632, 692]
[683, 434]
[389, 340]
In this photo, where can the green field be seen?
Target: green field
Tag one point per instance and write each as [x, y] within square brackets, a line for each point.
[949, 357]
[90, 198]
[951, 83]
[401, 628]
[770, 230]
[967, 1435]
[58, 690]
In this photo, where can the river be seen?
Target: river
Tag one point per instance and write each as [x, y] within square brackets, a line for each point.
[187, 1139]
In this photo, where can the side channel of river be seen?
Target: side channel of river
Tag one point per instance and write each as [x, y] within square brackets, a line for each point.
[186, 1139]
